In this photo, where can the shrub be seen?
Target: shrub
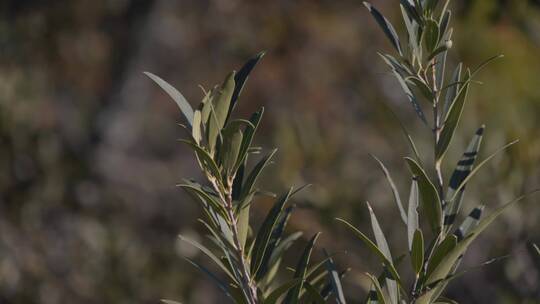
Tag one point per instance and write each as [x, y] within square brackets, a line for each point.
[250, 260]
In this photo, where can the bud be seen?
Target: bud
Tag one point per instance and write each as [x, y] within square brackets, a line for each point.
[448, 44]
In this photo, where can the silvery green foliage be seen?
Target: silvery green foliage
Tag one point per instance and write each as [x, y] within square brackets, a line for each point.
[419, 66]
[249, 259]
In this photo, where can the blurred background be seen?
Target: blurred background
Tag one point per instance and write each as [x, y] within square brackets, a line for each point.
[89, 211]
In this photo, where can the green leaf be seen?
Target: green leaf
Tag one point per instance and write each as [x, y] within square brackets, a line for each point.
[375, 283]
[314, 294]
[453, 89]
[445, 22]
[232, 139]
[374, 249]
[452, 120]
[417, 251]
[411, 11]
[431, 203]
[395, 191]
[463, 169]
[479, 166]
[275, 239]
[411, 97]
[216, 280]
[335, 280]
[208, 253]
[254, 174]
[283, 246]
[440, 253]
[274, 296]
[206, 161]
[220, 102]
[293, 296]
[265, 232]
[208, 198]
[395, 65]
[243, 225]
[410, 141]
[241, 77]
[412, 215]
[422, 87]
[248, 137]
[386, 26]
[431, 35]
[445, 266]
[382, 244]
[175, 95]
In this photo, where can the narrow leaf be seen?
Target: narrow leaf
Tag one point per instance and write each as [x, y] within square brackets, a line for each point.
[293, 296]
[208, 253]
[382, 244]
[417, 251]
[452, 120]
[378, 290]
[175, 95]
[431, 203]
[412, 215]
[479, 166]
[387, 263]
[241, 77]
[463, 169]
[395, 191]
[386, 26]
[335, 280]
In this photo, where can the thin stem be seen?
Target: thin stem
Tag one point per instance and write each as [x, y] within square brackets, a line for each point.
[249, 287]
[436, 129]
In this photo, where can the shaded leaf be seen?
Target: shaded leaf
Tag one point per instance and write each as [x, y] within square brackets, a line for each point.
[431, 35]
[293, 296]
[265, 232]
[241, 77]
[315, 296]
[374, 249]
[386, 26]
[452, 119]
[335, 280]
[431, 203]
[274, 296]
[417, 251]
[208, 253]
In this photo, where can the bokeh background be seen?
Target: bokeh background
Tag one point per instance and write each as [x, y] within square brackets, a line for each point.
[89, 211]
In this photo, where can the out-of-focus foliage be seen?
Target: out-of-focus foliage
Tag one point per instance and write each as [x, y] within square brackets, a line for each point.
[88, 208]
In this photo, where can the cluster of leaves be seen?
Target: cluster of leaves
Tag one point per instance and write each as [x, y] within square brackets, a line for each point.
[250, 260]
[420, 69]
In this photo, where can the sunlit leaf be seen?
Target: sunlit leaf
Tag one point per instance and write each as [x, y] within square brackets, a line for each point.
[412, 213]
[182, 103]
